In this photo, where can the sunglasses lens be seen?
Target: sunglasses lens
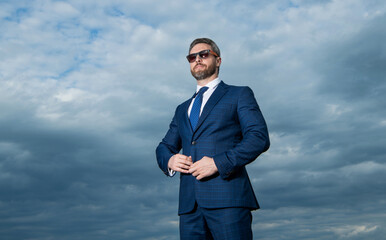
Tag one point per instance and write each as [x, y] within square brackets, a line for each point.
[191, 57]
[204, 54]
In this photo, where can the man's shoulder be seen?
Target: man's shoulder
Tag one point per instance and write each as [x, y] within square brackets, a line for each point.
[185, 103]
[226, 85]
[235, 88]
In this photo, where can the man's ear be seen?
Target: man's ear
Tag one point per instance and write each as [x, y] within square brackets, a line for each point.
[218, 61]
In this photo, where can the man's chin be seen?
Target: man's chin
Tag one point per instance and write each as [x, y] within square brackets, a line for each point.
[199, 75]
[204, 74]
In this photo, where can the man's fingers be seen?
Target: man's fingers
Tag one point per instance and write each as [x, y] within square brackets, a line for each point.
[185, 160]
[192, 168]
[188, 163]
[180, 163]
[182, 157]
[183, 166]
[184, 163]
[183, 170]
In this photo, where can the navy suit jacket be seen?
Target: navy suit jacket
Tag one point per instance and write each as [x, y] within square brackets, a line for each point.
[233, 132]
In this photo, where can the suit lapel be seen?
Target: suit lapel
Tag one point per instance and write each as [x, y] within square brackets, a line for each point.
[186, 117]
[213, 100]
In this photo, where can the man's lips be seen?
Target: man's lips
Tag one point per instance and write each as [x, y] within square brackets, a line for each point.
[199, 66]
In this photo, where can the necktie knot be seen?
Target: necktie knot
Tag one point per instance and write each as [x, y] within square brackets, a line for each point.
[201, 91]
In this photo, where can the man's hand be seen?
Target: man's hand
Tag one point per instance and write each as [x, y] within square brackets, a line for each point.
[180, 163]
[203, 168]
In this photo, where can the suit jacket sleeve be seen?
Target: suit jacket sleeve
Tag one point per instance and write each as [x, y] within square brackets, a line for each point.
[255, 137]
[170, 145]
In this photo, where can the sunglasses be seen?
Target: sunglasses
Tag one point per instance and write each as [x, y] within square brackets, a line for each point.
[203, 55]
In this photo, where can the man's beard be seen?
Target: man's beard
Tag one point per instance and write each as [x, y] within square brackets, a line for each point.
[206, 73]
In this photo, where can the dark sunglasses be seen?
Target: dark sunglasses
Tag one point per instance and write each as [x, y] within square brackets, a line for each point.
[203, 54]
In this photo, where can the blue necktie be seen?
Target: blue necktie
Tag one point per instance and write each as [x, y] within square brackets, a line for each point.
[195, 112]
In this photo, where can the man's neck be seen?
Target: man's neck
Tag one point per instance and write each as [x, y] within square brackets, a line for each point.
[205, 81]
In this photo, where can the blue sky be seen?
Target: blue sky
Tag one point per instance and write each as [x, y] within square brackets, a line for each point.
[88, 88]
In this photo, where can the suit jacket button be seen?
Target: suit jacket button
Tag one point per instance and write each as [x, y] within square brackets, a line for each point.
[194, 143]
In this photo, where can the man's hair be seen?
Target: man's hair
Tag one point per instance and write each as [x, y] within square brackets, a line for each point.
[208, 41]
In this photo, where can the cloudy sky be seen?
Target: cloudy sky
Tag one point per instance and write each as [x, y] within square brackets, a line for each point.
[88, 88]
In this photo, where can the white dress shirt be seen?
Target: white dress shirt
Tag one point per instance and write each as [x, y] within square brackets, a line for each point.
[212, 85]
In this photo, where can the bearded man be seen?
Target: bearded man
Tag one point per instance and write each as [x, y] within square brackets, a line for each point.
[220, 130]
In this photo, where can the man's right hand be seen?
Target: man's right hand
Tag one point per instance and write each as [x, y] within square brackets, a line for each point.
[180, 163]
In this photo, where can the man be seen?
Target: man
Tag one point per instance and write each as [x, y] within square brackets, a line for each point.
[220, 130]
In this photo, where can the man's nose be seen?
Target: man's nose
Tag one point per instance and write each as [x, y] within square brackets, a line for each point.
[198, 58]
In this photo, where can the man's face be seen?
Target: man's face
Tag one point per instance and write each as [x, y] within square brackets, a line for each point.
[203, 68]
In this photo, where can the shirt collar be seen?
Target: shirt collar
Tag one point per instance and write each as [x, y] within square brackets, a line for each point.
[211, 85]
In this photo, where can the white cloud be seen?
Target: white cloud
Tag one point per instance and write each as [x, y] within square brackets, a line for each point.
[70, 95]
[351, 231]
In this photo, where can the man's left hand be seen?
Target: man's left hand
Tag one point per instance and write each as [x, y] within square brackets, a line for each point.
[205, 167]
